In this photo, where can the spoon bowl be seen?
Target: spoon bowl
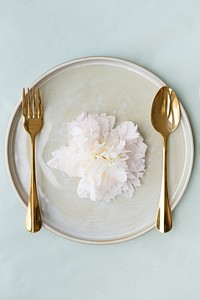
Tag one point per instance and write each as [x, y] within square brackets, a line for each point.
[165, 118]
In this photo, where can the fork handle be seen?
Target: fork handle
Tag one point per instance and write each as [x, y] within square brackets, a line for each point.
[164, 215]
[33, 216]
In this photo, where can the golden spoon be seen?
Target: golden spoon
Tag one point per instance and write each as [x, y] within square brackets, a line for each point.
[165, 118]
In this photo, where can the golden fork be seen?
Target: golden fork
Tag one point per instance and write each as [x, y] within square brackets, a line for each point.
[33, 121]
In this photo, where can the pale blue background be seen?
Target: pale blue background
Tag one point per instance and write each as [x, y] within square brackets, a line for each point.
[164, 37]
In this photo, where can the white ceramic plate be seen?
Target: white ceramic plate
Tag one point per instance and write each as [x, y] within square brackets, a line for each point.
[96, 85]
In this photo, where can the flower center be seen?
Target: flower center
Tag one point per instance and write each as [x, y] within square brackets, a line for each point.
[102, 151]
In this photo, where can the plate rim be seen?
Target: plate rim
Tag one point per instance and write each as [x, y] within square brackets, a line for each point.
[153, 78]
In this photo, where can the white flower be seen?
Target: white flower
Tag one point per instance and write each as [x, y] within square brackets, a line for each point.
[109, 161]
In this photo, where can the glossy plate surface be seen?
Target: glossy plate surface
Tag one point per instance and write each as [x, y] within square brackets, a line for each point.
[97, 85]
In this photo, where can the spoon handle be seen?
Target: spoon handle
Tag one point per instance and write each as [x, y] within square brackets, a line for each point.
[164, 216]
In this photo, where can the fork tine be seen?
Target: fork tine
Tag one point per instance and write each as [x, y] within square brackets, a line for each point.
[34, 104]
[40, 109]
[30, 111]
[24, 103]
